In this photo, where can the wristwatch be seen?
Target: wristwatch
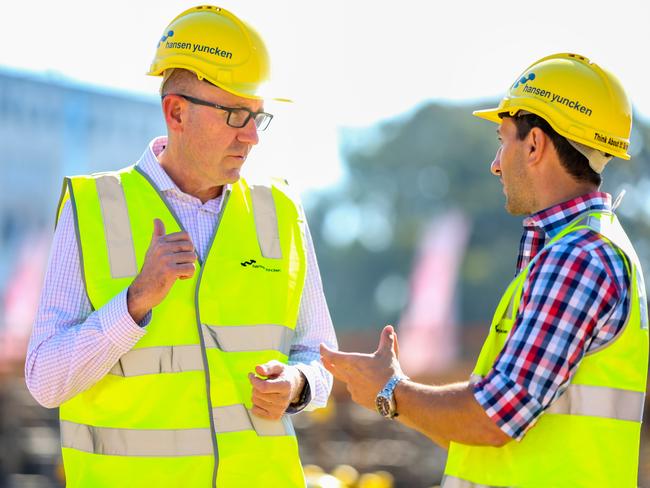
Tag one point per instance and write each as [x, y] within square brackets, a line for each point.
[385, 401]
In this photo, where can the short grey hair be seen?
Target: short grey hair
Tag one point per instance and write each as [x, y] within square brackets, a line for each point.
[177, 80]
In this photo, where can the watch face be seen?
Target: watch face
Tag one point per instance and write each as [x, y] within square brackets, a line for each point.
[383, 405]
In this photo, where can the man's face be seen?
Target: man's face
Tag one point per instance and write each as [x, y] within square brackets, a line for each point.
[510, 165]
[214, 151]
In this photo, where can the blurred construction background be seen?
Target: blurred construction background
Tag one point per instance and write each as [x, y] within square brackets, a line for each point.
[407, 237]
[408, 223]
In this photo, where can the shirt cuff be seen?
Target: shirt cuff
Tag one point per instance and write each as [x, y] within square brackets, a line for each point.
[508, 404]
[118, 325]
[306, 396]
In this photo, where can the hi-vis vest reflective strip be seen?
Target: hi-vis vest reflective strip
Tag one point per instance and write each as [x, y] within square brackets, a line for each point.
[590, 434]
[596, 401]
[176, 409]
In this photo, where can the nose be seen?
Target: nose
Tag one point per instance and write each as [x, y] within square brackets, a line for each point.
[495, 167]
[248, 134]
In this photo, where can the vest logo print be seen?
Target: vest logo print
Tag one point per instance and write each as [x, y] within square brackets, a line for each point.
[500, 329]
[253, 264]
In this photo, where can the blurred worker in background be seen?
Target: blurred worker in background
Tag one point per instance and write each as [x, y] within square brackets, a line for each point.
[557, 393]
[183, 307]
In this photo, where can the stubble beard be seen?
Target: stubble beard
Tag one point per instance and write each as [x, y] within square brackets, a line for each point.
[520, 199]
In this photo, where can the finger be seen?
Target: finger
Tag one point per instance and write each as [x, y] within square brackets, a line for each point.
[178, 236]
[258, 384]
[275, 386]
[279, 386]
[342, 360]
[184, 257]
[261, 412]
[386, 340]
[184, 271]
[396, 346]
[158, 229]
[272, 368]
[327, 354]
[177, 246]
[338, 374]
[330, 367]
[274, 413]
[268, 401]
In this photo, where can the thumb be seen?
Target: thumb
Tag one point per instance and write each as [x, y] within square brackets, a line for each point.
[158, 228]
[387, 341]
[270, 369]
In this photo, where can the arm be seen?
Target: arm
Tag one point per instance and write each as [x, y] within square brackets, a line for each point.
[564, 310]
[447, 413]
[443, 413]
[313, 328]
[71, 346]
[304, 368]
[573, 300]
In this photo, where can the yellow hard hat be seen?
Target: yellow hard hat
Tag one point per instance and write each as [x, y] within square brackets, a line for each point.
[218, 47]
[579, 99]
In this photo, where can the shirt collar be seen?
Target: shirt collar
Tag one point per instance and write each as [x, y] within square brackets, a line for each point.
[150, 165]
[551, 220]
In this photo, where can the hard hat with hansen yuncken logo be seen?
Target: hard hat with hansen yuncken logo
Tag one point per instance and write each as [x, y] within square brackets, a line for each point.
[218, 47]
[580, 100]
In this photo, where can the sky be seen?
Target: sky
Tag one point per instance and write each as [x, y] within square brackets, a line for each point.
[346, 63]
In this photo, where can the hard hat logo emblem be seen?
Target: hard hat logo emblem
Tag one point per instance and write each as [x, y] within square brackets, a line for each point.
[524, 79]
[164, 37]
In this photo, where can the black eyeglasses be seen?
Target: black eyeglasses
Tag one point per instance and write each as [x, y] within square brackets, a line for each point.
[237, 117]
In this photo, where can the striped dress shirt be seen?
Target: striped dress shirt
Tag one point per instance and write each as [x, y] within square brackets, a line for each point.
[72, 347]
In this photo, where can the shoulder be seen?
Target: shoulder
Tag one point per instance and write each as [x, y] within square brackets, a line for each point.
[277, 186]
[583, 255]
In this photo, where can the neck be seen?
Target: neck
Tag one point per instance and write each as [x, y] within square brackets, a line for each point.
[186, 182]
[561, 193]
[554, 185]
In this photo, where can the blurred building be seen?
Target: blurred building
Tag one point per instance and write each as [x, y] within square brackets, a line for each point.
[51, 127]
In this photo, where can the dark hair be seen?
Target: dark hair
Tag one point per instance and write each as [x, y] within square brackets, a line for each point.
[575, 163]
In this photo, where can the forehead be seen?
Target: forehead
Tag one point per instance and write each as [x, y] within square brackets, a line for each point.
[228, 99]
[506, 126]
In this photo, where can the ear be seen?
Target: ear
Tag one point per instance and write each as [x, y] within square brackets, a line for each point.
[537, 143]
[174, 110]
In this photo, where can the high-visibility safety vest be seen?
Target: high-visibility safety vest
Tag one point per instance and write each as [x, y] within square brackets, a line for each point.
[590, 435]
[175, 410]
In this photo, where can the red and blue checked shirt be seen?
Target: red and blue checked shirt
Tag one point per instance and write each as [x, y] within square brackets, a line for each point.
[575, 299]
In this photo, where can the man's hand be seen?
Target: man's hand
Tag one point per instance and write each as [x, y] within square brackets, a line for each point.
[282, 386]
[169, 257]
[365, 374]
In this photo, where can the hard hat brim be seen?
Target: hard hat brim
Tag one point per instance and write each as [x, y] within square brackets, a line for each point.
[491, 114]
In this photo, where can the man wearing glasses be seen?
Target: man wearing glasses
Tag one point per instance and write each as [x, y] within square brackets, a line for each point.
[183, 307]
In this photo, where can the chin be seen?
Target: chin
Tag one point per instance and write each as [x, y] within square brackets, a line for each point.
[232, 177]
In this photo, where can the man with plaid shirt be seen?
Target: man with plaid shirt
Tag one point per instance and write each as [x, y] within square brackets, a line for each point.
[556, 397]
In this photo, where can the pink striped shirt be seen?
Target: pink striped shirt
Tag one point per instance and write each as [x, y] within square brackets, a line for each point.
[72, 347]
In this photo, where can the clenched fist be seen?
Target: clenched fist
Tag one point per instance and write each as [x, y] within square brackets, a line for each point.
[169, 257]
[282, 386]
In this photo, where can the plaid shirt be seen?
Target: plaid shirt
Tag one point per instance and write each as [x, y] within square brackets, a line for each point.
[575, 299]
